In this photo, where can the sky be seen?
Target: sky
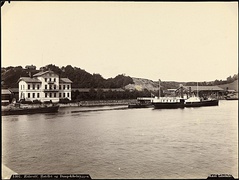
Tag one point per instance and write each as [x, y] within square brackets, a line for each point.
[195, 41]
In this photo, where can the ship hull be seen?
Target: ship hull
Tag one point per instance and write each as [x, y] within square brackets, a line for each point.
[22, 111]
[193, 104]
[210, 102]
[202, 103]
[161, 105]
[139, 106]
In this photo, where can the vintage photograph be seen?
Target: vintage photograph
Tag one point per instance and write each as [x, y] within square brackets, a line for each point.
[119, 90]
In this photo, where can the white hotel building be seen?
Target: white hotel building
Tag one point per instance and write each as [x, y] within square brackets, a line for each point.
[44, 86]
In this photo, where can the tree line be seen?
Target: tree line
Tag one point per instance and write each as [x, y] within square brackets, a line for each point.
[83, 79]
[99, 94]
[228, 80]
[79, 77]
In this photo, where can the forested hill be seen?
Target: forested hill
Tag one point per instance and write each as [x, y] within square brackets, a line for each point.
[83, 79]
[79, 77]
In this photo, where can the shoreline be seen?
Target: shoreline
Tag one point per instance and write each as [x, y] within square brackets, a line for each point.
[98, 103]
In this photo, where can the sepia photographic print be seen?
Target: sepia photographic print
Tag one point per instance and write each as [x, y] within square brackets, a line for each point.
[119, 90]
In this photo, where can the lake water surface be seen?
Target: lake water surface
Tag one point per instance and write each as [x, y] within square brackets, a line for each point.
[124, 143]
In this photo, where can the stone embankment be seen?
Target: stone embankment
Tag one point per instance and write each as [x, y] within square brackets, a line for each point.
[99, 103]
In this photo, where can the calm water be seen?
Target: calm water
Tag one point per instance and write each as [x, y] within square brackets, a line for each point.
[125, 143]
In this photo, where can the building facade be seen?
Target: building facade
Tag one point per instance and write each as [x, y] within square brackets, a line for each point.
[6, 97]
[44, 86]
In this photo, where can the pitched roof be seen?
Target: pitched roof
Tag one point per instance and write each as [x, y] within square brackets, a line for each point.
[43, 72]
[204, 88]
[28, 79]
[65, 80]
[14, 90]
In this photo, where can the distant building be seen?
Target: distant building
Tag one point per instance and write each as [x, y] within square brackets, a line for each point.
[6, 97]
[170, 92]
[15, 93]
[44, 86]
[205, 91]
[204, 88]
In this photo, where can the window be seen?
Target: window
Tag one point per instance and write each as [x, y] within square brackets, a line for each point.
[68, 86]
[50, 95]
[33, 86]
[38, 95]
[38, 86]
[64, 87]
[45, 86]
[68, 94]
[45, 94]
[28, 95]
[54, 86]
[45, 79]
[63, 94]
[54, 94]
[33, 95]
[29, 86]
[59, 86]
[59, 95]
[54, 79]
[23, 86]
[50, 86]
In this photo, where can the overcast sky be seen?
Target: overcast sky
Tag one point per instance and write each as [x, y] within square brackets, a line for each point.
[167, 41]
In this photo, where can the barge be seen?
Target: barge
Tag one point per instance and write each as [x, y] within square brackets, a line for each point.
[21, 109]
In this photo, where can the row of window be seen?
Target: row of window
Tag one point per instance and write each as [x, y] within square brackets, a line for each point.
[54, 86]
[50, 95]
[34, 86]
[28, 87]
[50, 79]
[64, 86]
[50, 86]
[170, 100]
[46, 86]
[37, 95]
[54, 95]
[33, 95]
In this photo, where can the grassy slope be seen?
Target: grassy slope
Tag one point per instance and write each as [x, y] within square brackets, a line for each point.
[231, 86]
[141, 84]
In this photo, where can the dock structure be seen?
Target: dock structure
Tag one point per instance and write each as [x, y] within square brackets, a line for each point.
[145, 99]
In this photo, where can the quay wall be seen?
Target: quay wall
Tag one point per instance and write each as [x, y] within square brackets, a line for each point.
[99, 103]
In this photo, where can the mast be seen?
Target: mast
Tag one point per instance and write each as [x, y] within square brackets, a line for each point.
[159, 88]
[197, 89]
